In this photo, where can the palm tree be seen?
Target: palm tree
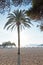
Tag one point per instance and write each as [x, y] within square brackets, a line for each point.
[18, 19]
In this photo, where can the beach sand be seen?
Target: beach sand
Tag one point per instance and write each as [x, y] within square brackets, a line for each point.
[29, 56]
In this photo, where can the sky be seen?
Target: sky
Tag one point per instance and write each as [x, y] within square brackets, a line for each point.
[27, 36]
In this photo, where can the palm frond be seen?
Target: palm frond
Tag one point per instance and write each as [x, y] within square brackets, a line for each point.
[16, 12]
[13, 27]
[11, 15]
[9, 22]
[22, 26]
[27, 20]
[27, 25]
[9, 26]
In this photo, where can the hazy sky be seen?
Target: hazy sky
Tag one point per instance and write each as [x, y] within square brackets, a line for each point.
[27, 36]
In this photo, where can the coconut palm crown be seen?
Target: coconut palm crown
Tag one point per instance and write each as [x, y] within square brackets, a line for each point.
[16, 18]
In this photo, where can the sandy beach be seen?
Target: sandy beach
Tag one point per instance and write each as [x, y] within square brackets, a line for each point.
[29, 56]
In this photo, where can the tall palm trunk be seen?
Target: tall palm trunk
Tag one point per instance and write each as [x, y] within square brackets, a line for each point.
[18, 45]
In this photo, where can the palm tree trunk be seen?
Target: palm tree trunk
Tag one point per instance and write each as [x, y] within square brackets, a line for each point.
[18, 45]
